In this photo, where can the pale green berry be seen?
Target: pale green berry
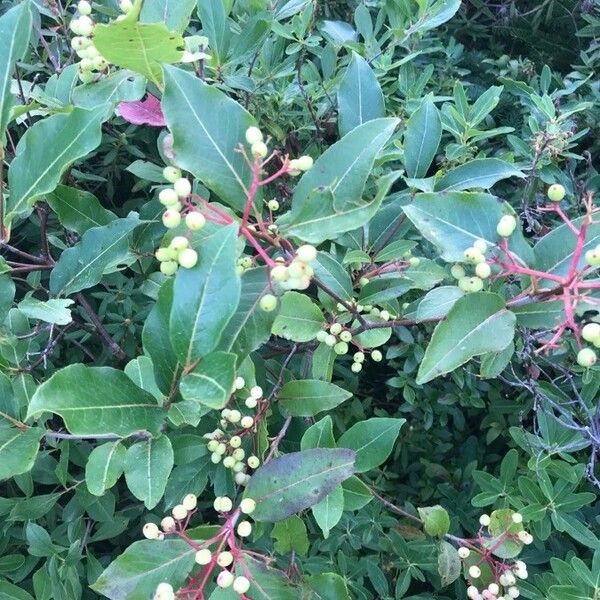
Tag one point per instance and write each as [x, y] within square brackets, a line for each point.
[457, 271]
[253, 462]
[247, 422]
[592, 257]
[240, 478]
[244, 528]
[228, 462]
[182, 187]
[556, 192]
[296, 269]
[384, 315]
[341, 348]
[168, 197]
[414, 261]
[179, 512]
[234, 416]
[151, 531]
[188, 258]
[239, 454]
[239, 383]
[506, 226]
[485, 520]
[330, 340]
[473, 256]
[238, 467]
[591, 332]
[259, 150]
[254, 135]
[179, 243]
[376, 356]
[226, 504]
[363, 281]
[86, 76]
[195, 220]
[221, 448]
[168, 524]
[474, 571]
[225, 558]
[171, 219]
[306, 253]
[164, 591]
[169, 267]
[86, 64]
[256, 392]
[586, 357]
[235, 441]
[247, 506]
[163, 254]
[358, 357]
[345, 336]
[251, 402]
[517, 517]
[273, 205]
[203, 557]
[356, 367]
[125, 5]
[463, 552]
[77, 43]
[305, 163]
[171, 174]
[293, 167]
[321, 335]
[280, 273]
[215, 458]
[99, 63]
[225, 579]
[483, 270]
[212, 445]
[268, 303]
[241, 584]
[335, 329]
[480, 245]
[190, 501]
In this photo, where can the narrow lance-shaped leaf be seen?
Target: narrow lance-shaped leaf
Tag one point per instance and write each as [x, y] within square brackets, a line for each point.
[422, 138]
[478, 173]
[297, 481]
[35, 170]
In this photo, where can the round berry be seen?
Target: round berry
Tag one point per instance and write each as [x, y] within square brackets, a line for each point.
[182, 187]
[280, 273]
[259, 150]
[335, 329]
[304, 163]
[244, 529]
[125, 5]
[321, 335]
[203, 557]
[480, 245]
[473, 256]
[229, 462]
[356, 367]
[224, 559]
[168, 524]
[239, 383]
[517, 517]
[168, 268]
[268, 303]
[239, 454]
[85, 25]
[253, 462]
[164, 591]
[306, 253]
[190, 502]
[376, 356]
[592, 257]
[556, 192]
[464, 552]
[358, 357]
[346, 336]
[457, 271]
[215, 458]
[251, 402]
[414, 261]
[164, 254]
[179, 243]
[150, 531]
[241, 584]
[474, 571]
[171, 174]
[247, 506]
[513, 592]
[195, 220]
[234, 416]
[168, 197]
[340, 348]
[235, 441]
[254, 135]
[179, 512]
[591, 332]
[225, 579]
[586, 357]
[247, 422]
[273, 205]
[483, 270]
[84, 7]
[506, 226]
[188, 258]
[171, 219]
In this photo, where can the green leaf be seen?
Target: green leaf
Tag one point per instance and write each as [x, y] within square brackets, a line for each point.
[8, 591]
[319, 435]
[299, 318]
[478, 173]
[121, 86]
[140, 47]
[100, 249]
[7, 295]
[104, 466]
[435, 14]
[267, 583]
[18, 449]
[494, 363]
[211, 381]
[136, 573]
[15, 31]
[215, 26]
[360, 98]
[190, 106]
[50, 311]
[356, 494]
[449, 565]
[205, 297]
[78, 210]
[331, 274]
[437, 303]
[372, 440]
[309, 397]
[148, 465]
[328, 512]
[297, 481]
[422, 138]
[141, 371]
[35, 171]
[436, 520]
[454, 220]
[290, 535]
[96, 401]
[477, 324]
[500, 523]
[326, 586]
[175, 14]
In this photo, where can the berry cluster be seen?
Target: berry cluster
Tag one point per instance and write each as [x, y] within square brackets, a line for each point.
[260, 150]
[298, 274]
[475, 258]
[587, 357]
[92, 64]
[177, 253]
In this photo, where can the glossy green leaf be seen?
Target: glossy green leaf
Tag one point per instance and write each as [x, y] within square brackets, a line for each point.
[299, 318]
[18, 449]
[104, 466]
[309, 397]
[147, 467]
[422, 138]
[141, 371]
[97, 401]
[360, 98]
[100, 249]
[297, 481]
[372, 440]
[478, 173]
[35, 171]
[190, 106]
[211, 381]
[477, 324]
[205, 297]
[55, 310]
[328, 512]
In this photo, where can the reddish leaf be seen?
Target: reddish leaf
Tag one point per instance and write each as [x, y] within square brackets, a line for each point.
[143, 112]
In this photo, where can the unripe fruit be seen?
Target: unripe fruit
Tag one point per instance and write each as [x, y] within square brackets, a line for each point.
[251, 402]
[244, 529]
[474, 571]
[125, 5]
[99, 63]
[306, 253]
[356, 367]
[179, 512]
[485, 520]
[168, 268]
[182, 187]
[203, 557]
[171, 219]
[556, 192]
[240, 478]
[384, 315]
[586, 357]
[221, 448]
[190, 502]
[363, 281]
[414, 261]
[247, 506]
[195, 220]
[239, 383]
[473, 256]
[517, 517]
[345, 336]
[464, 552]
[164, 254]
[253, 462]
[256, 392]
[457, 272]
[168, 197]
[179, 243]
[85, 25]
[293, 167]
[215, 458]
[268, 303]
[376, 356]
[84, 7]
[273, 205]
[235, 441]
[164, 591]
[335, 329]
[229, 462]
[358, 357]
[225, 579]
[321, 335]
[480, 245]
[150, 531]
[188, 258]
[472, 592]
[171, 174]
[259, 150]
[239, 454]
[591, 332]
[280, 273]
[254, 135]
[241, 584]
[340, 348]
[224, 559]
[513, 592]
[506, 226]
[247, 422]
[470, 284]
[483, 270]
[304, 163]
[330, 340]
[168, 524]
[592, 257]
[234, 416]
[494, 588]
[86, 64]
